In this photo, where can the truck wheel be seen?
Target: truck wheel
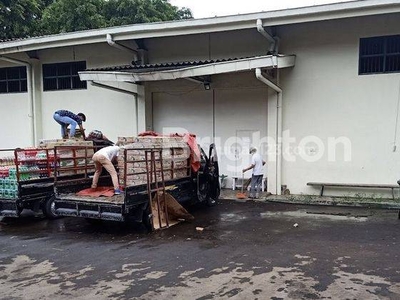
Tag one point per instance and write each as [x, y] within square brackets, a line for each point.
[147, 218]
[49, 208]
[19, 210]
[202, 193]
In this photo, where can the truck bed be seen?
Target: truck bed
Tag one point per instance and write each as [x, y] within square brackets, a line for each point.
[116, 199]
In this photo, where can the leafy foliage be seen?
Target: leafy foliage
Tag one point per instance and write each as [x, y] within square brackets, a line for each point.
[22, 18]
[19, 18]
[72, 15]
[122, 12]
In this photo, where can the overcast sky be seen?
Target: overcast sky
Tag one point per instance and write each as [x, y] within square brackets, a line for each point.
[212, 8]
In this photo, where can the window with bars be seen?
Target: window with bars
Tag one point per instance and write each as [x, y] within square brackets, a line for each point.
[63, 76]
[13, 80]
[379, 55]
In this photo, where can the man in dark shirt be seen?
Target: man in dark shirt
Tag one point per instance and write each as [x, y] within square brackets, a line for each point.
[65, 118]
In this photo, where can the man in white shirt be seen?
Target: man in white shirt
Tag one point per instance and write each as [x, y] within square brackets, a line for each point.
[257, 164]
[104, 158]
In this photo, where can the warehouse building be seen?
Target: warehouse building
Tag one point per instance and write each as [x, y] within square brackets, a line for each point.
[317, 89]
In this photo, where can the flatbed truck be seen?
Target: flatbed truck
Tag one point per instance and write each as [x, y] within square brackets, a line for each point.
[147, 202]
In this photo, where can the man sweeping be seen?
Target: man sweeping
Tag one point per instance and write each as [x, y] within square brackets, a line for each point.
[257, 164]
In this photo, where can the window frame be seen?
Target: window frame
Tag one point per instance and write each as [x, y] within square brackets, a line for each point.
[384, 55]
[21, 80]
[59, 75]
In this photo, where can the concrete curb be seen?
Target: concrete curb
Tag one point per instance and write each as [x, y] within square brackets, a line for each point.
[322, 201]
[338, 202]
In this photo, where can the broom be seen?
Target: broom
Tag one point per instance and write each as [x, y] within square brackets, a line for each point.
[241, 195]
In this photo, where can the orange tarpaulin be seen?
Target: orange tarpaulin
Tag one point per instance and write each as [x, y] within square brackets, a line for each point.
[105, 191]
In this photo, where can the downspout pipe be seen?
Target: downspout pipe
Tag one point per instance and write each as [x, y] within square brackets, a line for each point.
[114, 44]
[111, 88]
[260, 29]
[278, 141]
[31, 114]
[268, 82]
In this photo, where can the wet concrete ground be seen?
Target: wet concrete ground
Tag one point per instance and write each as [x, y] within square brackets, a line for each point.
[247, 250]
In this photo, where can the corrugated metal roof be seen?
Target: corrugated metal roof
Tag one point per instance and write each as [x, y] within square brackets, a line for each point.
[195, 69]
[164, 66]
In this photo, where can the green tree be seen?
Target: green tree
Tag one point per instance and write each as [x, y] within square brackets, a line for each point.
[124, 12]
[72, 15]
[184, 13]
[22, 18]
[19, 18]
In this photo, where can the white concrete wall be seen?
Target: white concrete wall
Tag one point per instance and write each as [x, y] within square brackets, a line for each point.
[323, 96]
[220, 45]
[111, 112]
[233, 114]
[15, 130]
[179, 112]
[240, 122]
[100, 105]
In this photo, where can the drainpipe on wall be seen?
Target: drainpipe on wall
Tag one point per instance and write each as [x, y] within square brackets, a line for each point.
[114, 44]
[278, 154]
[31, 115]
[274, 45]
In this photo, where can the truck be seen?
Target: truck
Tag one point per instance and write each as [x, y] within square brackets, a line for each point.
[27, 177]
[26, 180]
[159, 177]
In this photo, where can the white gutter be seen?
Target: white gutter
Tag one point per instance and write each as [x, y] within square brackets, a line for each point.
[260, 29]
[31, 103]
[278, 149]
[114, 44]
[116, 87]
[315, 13]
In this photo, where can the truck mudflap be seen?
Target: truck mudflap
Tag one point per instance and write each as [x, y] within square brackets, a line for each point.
[91, 211]
[9, 208]
[166, 211]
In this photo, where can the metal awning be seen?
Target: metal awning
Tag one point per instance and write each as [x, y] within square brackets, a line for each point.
[212, 68]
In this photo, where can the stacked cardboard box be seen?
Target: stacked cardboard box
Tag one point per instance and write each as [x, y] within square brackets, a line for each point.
[132, 159]
[71, 157]
[50, 144]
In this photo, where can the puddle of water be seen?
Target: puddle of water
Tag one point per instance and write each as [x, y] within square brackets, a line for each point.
[305, 214]
[231, 217]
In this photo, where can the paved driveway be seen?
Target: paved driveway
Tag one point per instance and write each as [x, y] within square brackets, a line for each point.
[247, 250]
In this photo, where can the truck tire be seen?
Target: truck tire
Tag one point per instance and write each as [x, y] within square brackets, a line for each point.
[19, 210]
[203, 191]
[49, 208]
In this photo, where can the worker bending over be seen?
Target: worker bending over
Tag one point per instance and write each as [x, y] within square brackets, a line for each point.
[104, 158]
